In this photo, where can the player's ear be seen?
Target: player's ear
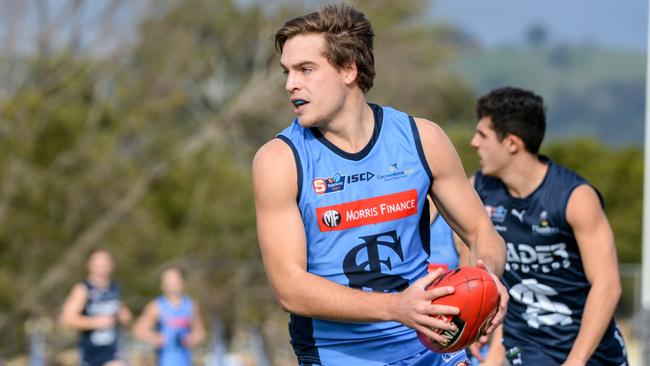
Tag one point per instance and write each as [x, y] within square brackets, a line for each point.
[349, 72]
[514, 144]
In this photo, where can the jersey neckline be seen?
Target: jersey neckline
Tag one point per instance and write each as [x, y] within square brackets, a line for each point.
[378, 114]
[549, 165]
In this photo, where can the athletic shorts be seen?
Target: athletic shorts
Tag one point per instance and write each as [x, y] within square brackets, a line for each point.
[426, 358]
[528, 355]
[429, 358]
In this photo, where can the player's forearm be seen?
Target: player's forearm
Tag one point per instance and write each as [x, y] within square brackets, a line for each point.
[198, 333]
[124, 316]
[490, 248]
[313, 296]
[493, 260]
[146, 335]
[598, 312]
[78, 322]
[496, 352]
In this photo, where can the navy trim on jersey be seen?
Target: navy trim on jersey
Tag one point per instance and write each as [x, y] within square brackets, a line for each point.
[425, 223]
[418, 145]
[378, 114]
[301, 329]
[298, 164]
[424, 226]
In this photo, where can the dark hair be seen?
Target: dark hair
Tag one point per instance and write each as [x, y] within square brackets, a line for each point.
[348, 38]
[517, 112]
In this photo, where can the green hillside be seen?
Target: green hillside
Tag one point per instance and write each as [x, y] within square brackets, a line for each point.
[589, 91]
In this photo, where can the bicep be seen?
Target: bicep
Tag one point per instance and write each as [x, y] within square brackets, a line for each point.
[451, 191]
[148, 317]
[75, 302]
[593, 234]
[280, 228]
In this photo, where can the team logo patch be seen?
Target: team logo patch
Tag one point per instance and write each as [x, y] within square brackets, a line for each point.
[540, 309]
[395, 172]
[331, 218]
[367, 211]
[544, 227]
[497, 214]
[179, 322]
[518, 214]
[334, 183]
[364, 263]
[450, 355]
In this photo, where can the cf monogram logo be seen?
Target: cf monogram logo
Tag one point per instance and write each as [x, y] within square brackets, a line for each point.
[368, 273]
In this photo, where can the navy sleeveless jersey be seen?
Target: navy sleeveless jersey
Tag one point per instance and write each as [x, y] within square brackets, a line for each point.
[366, 220]
[100, 346]
[544, 273]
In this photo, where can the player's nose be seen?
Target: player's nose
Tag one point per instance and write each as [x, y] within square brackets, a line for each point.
[475, 141]
[293, 82]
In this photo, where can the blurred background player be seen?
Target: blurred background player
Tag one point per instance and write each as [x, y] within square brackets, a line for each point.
[94, 308]
[172, 322]
[561, 268]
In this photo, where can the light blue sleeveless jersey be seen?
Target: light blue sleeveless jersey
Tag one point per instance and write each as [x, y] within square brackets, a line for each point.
[175, 323]
[366, 219]
[443, 250]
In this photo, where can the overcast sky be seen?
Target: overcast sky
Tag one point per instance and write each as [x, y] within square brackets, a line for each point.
[613, 23]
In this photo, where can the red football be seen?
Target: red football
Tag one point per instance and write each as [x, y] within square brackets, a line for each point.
[477, 298]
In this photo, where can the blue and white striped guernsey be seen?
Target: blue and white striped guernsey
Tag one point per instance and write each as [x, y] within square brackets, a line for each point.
[366, 220]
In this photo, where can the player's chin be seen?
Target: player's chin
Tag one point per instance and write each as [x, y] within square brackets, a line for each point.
[307, 122]
[487, 171]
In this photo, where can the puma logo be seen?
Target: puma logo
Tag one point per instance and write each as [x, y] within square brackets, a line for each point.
[518, 214]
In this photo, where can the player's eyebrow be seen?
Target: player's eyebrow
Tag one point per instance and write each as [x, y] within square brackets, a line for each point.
[298, 65]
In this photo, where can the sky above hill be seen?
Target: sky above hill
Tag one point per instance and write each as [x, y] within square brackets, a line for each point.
[610, 23]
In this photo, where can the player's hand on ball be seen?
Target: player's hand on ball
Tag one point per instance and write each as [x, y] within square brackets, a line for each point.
[414, 308]
[503, 300]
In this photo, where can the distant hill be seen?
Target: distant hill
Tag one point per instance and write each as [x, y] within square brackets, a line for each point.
[588, 91]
